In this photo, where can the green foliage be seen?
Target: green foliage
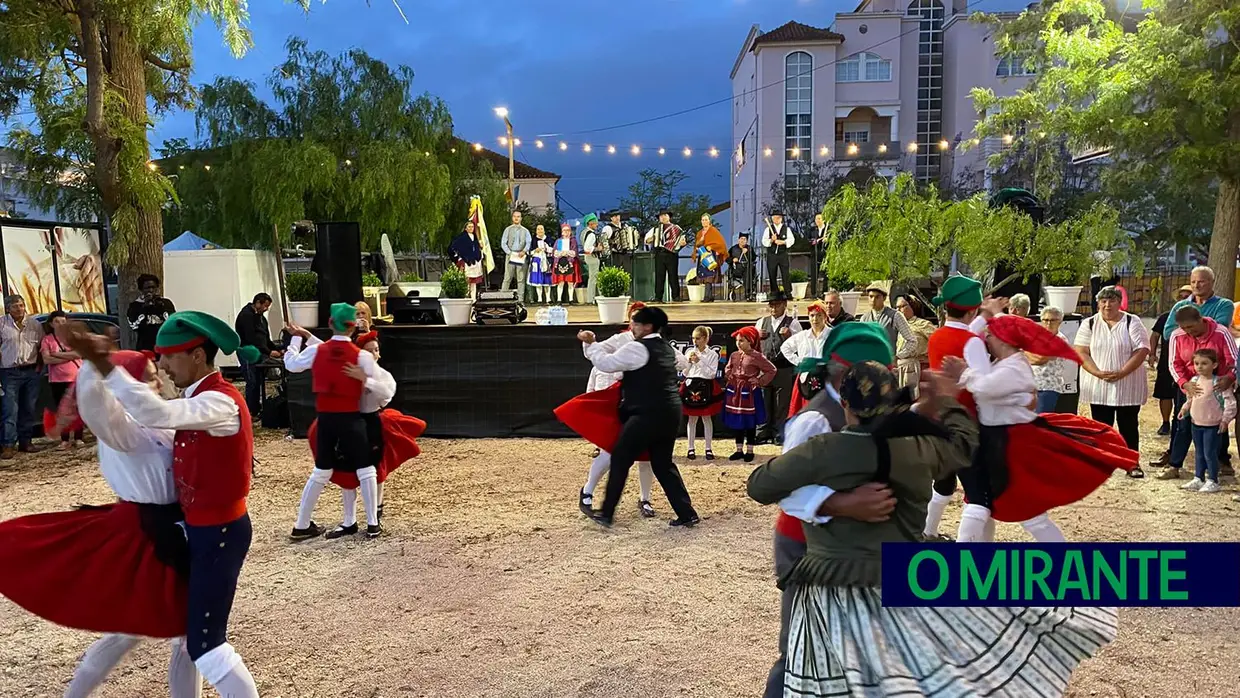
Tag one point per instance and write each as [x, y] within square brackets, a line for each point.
[371, 279]
[453, 284]
[613, 282]
[796, 276]
[549, 218]
[302, 286]
[411, 277]
[656, 191]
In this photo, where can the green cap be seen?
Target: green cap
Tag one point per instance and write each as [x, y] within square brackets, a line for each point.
[184, 330]
[960, 292]
[854, 342]
[343, 316]
[589, 217]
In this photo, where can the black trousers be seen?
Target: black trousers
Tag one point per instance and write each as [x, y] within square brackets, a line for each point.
[374, 436]
[342, 443]
[666, 273]
[778, 395]
[656, 434]
[1124, 419]
[777, 264]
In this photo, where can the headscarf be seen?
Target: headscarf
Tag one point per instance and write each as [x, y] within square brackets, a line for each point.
[750, 333]
[869, 390]
[67, 418]
[1027, 335]
[363, 339]
[817, 305]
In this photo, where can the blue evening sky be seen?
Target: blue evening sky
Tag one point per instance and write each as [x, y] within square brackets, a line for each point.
[560, 66]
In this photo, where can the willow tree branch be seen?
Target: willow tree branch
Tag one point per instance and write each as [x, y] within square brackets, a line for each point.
[170, 66]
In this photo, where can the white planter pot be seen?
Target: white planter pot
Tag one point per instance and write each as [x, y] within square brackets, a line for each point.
[799, 289]
[425, 289]
[611, 311]
[456, 310]
[304, 313]
[697, 292]
[1063, 297]
[849, 300]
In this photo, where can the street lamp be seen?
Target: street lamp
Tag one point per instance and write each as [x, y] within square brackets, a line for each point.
[502, 112]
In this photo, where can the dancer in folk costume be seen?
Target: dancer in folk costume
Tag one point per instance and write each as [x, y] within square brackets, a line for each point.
[700, 391]
[565, 265]
[123, 568]
[540, 264]
[602, 396]
[806, 344]
[340, 372]
[390, 435]
[747, 373]
[211, 458]
[842, 640]
[1027, 464]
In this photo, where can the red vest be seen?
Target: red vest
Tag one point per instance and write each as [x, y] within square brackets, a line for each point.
[333, 390]
[950, 341]
[213, 472]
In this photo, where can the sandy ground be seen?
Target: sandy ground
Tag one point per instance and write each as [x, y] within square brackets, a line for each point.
[488, 582]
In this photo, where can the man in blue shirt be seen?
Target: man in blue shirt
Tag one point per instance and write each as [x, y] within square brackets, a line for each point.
[515, 243]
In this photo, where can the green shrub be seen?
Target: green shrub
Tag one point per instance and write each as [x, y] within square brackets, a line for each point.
[796, 276]
[453, 284]
[613, 282]
[302, 286]
[371, 279]
[411, 278]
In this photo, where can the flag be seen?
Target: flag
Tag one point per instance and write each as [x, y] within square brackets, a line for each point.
[480, 225]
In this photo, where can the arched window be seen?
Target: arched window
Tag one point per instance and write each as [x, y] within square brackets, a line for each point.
[798, 113]
[863, 67]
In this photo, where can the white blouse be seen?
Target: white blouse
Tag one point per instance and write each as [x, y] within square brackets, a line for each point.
[706, 367]
[1003, 390]
[380, 384]
[1111, 347]
[804, 345]
[136, 461]
[602, 380]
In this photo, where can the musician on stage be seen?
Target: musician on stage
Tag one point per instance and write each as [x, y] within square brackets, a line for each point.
[819, 243]
[777, 238]
[709, 248]
[591, 249]
[622, 241]
[740, 263]
[666, 261]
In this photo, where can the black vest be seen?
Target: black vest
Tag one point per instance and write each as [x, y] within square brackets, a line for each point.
[653, 387]
[780, 233]
[826, 406]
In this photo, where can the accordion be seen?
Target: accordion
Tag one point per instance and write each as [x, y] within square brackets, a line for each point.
[498, 308]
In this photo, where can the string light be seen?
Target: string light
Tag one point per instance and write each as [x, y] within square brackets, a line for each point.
[912, 147]
[1007, 139]
[635, 150]
[477, 146]
[150, 165]
[823, 151]
[563, 145]
[688, 152]
[882, 147]
[611, 150]
[796, 153]
[662, 151]
[503, 140]
[944, 145]
[180, 167]
[766, 152]
[538, 144]
[348, 163]
[207, 168]
[586, 147]
[452, 150]
[852, 149]
[714, 152]
[516, 142]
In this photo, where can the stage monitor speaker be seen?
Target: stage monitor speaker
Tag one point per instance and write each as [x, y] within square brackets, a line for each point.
[338, 262]
[412, 310]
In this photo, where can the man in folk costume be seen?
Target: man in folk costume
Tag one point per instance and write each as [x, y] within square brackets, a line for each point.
[212, 453]
[891, 320]
[774, 329]
[341, 442]
[122, 568]
[960, 298]
[648, 415]
[591, 253]
[822, 414]
[777, 238]
[667, 244]
[390, 435]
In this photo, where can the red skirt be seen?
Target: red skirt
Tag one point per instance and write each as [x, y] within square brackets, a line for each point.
[1057, 463]
[92, 569]
[400, 433]
[699, 402]
[595, 417]
[796, 402]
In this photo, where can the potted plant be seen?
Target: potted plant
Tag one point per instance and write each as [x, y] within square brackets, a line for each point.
[454, 298]
[800, 283]
[612, 295]
[303, 298]
[695, 288]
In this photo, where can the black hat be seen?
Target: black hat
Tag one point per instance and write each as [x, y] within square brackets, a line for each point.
[742, 234]
[665, 212]
[654, 317]
[778, 297]
[777, 212]
[613, 214]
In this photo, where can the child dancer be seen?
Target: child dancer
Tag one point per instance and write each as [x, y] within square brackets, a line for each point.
[700, 391]
[1211, 412]
[748, 371]
[1027, 464]
[566, 269]
[540, 265]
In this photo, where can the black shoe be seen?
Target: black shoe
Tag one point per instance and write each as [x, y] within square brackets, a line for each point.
[737, 456]
[687, 523]
[1164, 430]
[749, 457]
[709, 455]
[595, 453]
[341, 531]
[585, 503]
[374, 531]
[1163, 461]
[312, 531]
[1136, 473]
[778, 441]
[598, 518]
[646, 509]
[691, 455]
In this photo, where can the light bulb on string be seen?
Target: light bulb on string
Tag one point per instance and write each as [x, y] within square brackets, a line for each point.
[586, 147]
[1007, 139]
[635, 150]
[538, 144]
[503, 140]
[688, 152]
[853, 149]
[611, 150]
[912, 147]
[714, 152]
[944, 145]
[516, 142]
[882, 147]
[563, 145]
[796, 153]
[823, 151]
[662, 151]
[766, 152]
[477, 146]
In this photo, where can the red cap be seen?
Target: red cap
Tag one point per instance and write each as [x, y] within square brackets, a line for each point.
[1027, 335]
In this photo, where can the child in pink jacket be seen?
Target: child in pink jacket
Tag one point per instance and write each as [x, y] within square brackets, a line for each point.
[1211, 412]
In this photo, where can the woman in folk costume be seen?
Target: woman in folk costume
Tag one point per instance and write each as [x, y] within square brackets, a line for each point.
[709, 252]
[599, 406]
[466, 251]
[565, 265]
[540, 264]
[390, 435]
[699, 391]
[121, 568]
[842, 641]
[213, 450]
[1027, 464]
[744, 408]
[806, 344]
[341, 373]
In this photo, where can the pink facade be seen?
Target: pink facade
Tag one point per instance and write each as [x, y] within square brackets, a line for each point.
[882, 89]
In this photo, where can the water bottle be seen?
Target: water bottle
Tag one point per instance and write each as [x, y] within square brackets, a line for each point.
[561, 316]
[542, 317]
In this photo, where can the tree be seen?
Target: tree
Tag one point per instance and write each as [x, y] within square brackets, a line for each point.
[91, 71]
[815, 183]
[656, 191]
[1165, 92]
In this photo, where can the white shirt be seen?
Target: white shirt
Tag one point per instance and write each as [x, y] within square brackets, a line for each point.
[601, 380]
[975, 353]
[1003, 391]
[768, 233]
[1111, 348]
[804, 345]
[136, 461]
[212, 412]
[19, 346]
[380, 384]
[629, 357]
[793, 327]
[589, 239]
[804, 501]
[707, 365]
[297, 359]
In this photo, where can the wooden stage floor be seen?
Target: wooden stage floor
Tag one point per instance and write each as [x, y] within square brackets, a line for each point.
[716, 311]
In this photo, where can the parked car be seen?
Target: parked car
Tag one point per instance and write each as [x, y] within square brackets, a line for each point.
[99, 323]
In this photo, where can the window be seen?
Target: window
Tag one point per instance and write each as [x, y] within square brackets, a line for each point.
[798, 114]
[863, 67]
[1014, 66]
[856, 133]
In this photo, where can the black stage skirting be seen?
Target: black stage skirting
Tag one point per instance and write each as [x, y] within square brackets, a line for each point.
[486, 381]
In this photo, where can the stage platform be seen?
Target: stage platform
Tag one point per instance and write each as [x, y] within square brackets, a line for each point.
[700, 313]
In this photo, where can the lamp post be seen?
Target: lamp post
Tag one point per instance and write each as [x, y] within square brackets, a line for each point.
[502, 112]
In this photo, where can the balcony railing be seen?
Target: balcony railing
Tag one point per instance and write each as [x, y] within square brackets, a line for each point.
[877, 150]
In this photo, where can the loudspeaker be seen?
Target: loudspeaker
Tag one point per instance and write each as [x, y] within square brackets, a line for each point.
[338, 262]
[412, 310]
